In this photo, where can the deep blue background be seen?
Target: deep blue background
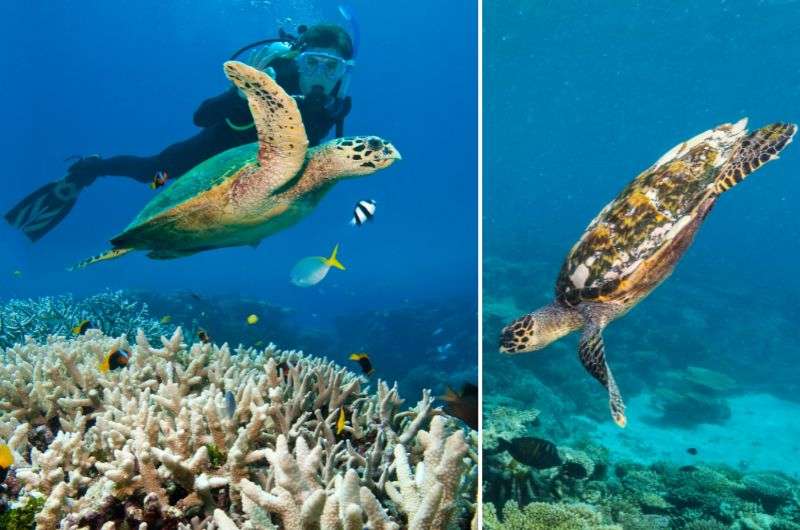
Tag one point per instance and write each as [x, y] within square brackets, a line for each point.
[125, 77]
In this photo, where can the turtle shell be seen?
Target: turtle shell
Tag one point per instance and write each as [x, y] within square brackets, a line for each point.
[197, 181]
[626, 243]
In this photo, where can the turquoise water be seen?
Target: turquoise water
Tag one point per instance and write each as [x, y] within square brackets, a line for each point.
[579, 100]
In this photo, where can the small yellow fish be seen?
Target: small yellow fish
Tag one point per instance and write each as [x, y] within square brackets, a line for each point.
[166, 319]
[113, 360]
[252, 319]
[259, 344]
[81, 327]
[17, 274]
[6, 458]
[340, 422]
[6, 461]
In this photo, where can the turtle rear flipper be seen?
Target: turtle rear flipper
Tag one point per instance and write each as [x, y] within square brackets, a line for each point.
[107, 255]
[593, 358]
[755, 150]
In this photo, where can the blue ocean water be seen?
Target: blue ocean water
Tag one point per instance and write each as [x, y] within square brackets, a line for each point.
[125, 78]
[579, 98]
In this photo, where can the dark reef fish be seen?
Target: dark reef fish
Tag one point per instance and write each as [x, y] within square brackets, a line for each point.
[159, 180]
[363, 361]
[692, 451]
[81, 327]
[203, 336]
[363, 212]
[531, 451]
[114, 359]
[463, 406]
[230, 403]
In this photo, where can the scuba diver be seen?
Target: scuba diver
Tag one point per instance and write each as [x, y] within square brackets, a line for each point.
[314, 67]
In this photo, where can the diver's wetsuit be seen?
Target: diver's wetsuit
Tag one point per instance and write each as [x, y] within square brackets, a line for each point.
[217, 135]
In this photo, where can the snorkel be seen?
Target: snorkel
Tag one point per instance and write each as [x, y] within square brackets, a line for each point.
[355, 36]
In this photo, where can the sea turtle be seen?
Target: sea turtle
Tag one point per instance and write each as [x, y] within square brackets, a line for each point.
[638, 238]
[250, 192]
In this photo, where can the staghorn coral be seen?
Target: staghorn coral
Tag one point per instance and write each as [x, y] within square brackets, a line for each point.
[114, 312]
[153, 444]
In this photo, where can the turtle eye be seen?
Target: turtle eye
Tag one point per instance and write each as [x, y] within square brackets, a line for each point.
[374, 143]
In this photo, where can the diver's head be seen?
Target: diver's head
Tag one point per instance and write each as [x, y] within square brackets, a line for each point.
[324, 60]
[357, 156]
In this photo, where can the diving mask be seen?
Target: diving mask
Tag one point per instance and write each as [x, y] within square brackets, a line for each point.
[317, 68]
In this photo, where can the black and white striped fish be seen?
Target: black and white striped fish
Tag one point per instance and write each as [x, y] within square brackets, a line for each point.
[363, 212]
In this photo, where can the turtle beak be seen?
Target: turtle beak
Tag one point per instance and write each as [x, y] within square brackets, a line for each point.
[390, 152]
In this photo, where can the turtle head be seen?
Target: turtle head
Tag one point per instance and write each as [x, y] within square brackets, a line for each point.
[536, 330]
[357, 156]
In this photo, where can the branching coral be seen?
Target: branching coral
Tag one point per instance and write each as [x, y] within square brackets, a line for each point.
[114, 312]
[154, 442]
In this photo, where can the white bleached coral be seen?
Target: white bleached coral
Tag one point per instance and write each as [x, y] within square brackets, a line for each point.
[155, 442]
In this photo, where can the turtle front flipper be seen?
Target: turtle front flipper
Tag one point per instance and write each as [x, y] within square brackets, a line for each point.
[593, 358]
[107, 255]
[282, 140]
[755, 150]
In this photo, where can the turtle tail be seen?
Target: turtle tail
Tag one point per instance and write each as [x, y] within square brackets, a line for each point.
[109, 254]
[755, 150]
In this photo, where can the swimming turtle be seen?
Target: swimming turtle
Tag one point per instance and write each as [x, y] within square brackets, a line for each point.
[638, 238]
[250, 192]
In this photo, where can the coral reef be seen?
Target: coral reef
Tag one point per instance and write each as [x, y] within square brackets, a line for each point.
[444, 335]
[114, 312]
[544, 516]
[639, 497]
[153, 444]
[506, 423]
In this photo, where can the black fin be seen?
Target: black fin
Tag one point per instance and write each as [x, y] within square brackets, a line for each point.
[593, 358]
[502, 445]
[42, 210]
